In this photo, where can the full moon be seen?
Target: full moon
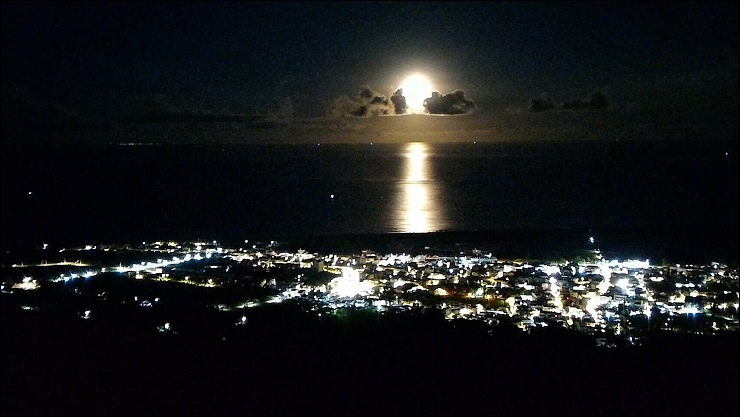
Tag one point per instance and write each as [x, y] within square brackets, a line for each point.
[416, 88]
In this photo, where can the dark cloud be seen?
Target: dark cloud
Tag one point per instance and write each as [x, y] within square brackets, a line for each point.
[541, 103]
[399, 102]
[371, 103]
[452, 103]
[367, 103]
[161, 109]
[189, 117]
[597, 100]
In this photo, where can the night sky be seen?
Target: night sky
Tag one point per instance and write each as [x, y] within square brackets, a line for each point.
[300, 71]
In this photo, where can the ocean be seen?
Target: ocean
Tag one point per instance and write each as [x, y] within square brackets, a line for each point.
[673, 196]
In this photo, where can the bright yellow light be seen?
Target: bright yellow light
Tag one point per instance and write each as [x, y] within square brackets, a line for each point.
[416, 152]
[416, 202]
[416, 89]
[349, 284]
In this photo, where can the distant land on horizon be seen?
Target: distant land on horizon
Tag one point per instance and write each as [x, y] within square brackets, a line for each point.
[486, 125]
[680, 245]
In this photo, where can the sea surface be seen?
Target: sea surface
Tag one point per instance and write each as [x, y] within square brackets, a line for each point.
[681, 195]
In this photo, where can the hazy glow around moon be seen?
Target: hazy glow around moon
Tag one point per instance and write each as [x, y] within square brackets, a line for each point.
[416, 88]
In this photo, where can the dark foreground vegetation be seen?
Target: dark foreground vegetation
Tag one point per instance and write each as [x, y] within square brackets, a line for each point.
[287, 361]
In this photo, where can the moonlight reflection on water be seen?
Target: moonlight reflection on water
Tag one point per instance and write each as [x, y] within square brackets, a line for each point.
[418, 208]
